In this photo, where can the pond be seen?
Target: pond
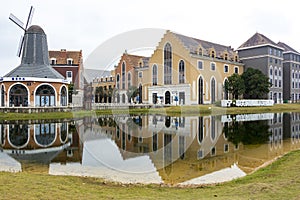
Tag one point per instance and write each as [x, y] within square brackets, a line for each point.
[150, 148]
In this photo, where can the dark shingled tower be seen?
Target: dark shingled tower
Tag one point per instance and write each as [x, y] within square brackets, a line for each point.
[35, 57]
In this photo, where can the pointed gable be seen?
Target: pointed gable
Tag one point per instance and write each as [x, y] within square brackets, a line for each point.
[257, 39]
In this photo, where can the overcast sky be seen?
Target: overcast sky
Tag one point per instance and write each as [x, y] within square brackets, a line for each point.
[86, 24]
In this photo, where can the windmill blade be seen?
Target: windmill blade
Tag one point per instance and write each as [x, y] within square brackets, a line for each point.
[21, 43]
[29, 19]
[16, 21]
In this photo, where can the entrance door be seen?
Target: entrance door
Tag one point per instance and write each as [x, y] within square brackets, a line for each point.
[154, 98]
[200, 91]
[167, 97]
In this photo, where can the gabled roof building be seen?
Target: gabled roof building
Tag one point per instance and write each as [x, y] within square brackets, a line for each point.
[259, 52]
[291, 73]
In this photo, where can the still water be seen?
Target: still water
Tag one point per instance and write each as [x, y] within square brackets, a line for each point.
[150, 148]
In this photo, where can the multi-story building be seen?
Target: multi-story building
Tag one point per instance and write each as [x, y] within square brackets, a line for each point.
[129, 76]
[291, 73]
[103, 87]
[185, 70]
[259, 52]
[69, 64]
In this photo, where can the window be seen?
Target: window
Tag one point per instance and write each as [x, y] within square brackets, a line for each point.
[140, 74]
[63, 96]
[118, 81]
[225, 56]
[236, 70]
[181, 71]
[123, 75]
[279, 72]
[279, 83]
[200, 64]
[270, 59]
[167, 64]
[271, 71]
[213, 66]
[154, 75]
[45, 96]
[275, 82]
[53, 61]
[235, 58]
[270, 51]
[212, 54]
[200, 52]
[69, 75]
[225, 68]
[69, 61]
[129, 80]
[275, 72]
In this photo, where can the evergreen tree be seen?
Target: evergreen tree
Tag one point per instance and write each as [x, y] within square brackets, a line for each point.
[257, 85]
[235, 85]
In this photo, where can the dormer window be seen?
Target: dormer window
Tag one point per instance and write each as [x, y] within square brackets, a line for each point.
[225, 56]
[235, 58]
[53, 61]
[200, 52]
[140, 64]
[69, 61]
[212, 54]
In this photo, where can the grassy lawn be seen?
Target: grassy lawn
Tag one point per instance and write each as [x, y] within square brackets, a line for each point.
[173, 110]
[280, 180]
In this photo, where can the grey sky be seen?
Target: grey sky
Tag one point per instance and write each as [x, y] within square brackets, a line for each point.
[86, 24]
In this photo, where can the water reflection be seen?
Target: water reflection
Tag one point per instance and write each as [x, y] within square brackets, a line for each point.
[154, 148]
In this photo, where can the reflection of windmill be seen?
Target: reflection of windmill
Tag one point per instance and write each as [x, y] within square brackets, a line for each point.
[21, 25]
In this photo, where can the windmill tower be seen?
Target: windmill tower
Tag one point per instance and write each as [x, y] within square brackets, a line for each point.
[34, 82]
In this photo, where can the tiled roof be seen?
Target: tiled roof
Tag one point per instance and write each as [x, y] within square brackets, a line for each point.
[194, 44]
[257, 39]
[62, 56]
[286, 47]
[38, 71]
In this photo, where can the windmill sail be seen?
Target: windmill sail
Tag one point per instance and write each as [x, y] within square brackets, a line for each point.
[16, 21]
[21, 25]
[21, 43]
[29, 19]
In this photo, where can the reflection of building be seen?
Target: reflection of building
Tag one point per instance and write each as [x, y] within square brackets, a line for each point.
[34, 83]
[40, 142]
[183, 148]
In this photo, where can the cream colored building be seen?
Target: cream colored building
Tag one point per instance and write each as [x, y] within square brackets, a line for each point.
[185, 70]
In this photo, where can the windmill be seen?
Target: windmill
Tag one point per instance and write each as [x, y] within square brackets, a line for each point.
[24, 28]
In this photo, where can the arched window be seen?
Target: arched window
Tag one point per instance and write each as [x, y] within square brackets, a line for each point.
[63, 96]
[2, 95]
[18, 135]
[168, 64]
[213, 90]
[154, 75]
[45, 134]
[275, 72]
[118, 81]
[212, 53]
[123, 75]
[200, 52]
[129, 80]
[18, 96]
[181, 71]
[45, 96]
[64, 132]
[271, 71]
